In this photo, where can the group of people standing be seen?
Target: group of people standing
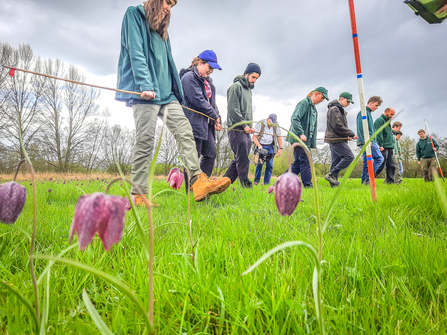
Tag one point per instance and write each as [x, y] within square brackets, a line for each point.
[146, 65]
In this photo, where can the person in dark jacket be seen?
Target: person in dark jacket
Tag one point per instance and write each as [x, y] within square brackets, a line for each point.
[425, 152]
[336, 132]
[146, 65]
[239, 107]
[304, 125]
[373, 103]
[200, 95]
[385, 141]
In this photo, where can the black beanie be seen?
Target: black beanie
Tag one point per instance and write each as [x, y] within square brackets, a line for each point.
[252, 67]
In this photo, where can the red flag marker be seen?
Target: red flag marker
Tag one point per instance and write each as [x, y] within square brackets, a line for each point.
[12, 72]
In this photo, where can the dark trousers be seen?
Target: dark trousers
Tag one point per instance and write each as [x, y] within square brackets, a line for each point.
[388, 165]
[341, 156]
[240, 143]
[301, 165]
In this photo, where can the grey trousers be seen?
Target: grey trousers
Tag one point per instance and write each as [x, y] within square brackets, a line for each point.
[145, 116]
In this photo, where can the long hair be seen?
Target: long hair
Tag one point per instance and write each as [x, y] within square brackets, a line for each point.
[196, 61]
[154, 15]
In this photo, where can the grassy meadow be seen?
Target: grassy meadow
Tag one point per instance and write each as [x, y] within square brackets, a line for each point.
[385, 269]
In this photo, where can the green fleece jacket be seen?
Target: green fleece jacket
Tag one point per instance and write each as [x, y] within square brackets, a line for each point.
[145, 62]
[361, 137]
[385, 138]
[304, 122]
[424, 148]
[239, 108]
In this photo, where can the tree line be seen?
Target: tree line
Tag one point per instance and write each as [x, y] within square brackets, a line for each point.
[64, 129]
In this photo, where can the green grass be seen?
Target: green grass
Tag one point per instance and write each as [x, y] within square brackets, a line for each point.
[385, 270]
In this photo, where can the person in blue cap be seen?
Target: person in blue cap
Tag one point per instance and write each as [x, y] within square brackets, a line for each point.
[304, 125]
[146, 65]
[200, 95]
[268, 137]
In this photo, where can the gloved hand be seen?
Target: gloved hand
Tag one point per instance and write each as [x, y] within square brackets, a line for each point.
[401, 167]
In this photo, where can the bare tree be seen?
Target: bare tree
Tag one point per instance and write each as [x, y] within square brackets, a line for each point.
[323, 156]
[118, 147]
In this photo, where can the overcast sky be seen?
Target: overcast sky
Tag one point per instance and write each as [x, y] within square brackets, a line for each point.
[299, 45]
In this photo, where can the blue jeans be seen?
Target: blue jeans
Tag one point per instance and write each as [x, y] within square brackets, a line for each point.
[377, 161]
[268, 166]
[302, 165]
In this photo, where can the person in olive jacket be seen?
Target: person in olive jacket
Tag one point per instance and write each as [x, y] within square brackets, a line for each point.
[304, 125]
[385, 141]
[239, 107]
[425, 152]
[337, 135]
[200, 95]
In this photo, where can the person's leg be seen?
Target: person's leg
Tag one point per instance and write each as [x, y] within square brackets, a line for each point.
[306, 172]
[241, 156]
[377, 158]
[269, 164]
[397, 174]
[336, 158]
[208, 153]
[185, 172]
[365, 175]
[296, 163]
[343, 155]
[145, 116]
[232, 171]
[431, 167]
[425, 168]
[390, 169]
[258, 173]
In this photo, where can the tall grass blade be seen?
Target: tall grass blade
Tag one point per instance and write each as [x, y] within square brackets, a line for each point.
[50, 264]
[102, 327]
[441, 192]
[46, 305]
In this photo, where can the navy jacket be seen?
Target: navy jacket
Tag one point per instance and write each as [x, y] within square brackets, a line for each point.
[195, 98]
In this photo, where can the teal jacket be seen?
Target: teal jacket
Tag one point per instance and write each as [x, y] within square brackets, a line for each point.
[239, 101]
[361, 137]
[385, 138]
[304, 122]
[145, 62]
[424, 148]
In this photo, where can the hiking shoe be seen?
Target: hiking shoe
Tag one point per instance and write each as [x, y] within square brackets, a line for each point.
[246, 183]
[140, 202]
[366, 182]
[204, 186]
[332, 180]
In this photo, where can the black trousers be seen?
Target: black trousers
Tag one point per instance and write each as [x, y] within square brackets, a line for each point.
[388, 165]
[341, 156]
[240, 143]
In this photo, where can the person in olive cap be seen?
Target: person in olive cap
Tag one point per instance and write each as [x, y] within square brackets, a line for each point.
[239, 107]
[337, 135]
[268, 137]
[304, 125]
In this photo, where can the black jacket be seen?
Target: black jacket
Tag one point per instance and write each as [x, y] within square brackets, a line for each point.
[195, 98]
[337, 123]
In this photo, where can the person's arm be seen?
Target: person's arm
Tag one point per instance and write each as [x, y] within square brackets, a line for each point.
[255, 141]
[418, 153]
[194, 92]
[336, 121]
[435, 144]
[279, 142]
[132, 40]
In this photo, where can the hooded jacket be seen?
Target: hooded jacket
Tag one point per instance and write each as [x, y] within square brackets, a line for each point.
[239, 99]
[304, 122]
[337, 123]
[385, 138]
[195, 98]
[424, 148]
[145, 58]
[361, 137]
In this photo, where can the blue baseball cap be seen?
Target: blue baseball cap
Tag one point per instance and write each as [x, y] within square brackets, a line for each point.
[211, 57]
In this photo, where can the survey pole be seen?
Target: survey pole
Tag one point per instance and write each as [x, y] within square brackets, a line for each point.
[372, 181]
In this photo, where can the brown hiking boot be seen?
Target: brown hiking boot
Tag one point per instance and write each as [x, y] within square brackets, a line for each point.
[140, 202]
[204, 186]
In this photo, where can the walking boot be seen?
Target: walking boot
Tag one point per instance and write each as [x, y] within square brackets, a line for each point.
[332, 180]
[202, 186]
[139, 201]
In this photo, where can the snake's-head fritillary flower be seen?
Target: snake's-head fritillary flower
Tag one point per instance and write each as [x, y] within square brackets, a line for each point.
[98, 213]
[288, 193]
[49, 190]
[175, 178]
[271, 189]
[126, 201]
[12, 201]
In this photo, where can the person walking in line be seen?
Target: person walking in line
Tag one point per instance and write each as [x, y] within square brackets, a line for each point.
[426, 155]
[373, 103]
[239, 107]
[304, 125]
[200, 95]
[397, 152]
[268, 137]
[336, 132]
[146, 65]
[385, 141]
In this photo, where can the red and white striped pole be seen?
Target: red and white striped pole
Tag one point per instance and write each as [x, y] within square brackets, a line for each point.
[372, 181]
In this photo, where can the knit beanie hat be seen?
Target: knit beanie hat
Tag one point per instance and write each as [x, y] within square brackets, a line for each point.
[252, 67]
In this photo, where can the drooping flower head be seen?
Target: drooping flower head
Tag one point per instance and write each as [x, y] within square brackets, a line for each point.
[126, 200]
[271, 189]
[100, 213]
[175, 178]
[12, 201]
[288, 193]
